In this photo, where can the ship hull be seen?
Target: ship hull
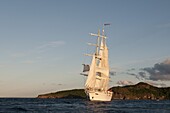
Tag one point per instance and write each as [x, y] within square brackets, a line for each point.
[100, 96]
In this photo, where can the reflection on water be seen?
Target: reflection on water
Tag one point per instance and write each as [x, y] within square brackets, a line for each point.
[97, 107]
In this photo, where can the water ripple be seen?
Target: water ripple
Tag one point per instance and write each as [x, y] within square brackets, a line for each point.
[34, 105]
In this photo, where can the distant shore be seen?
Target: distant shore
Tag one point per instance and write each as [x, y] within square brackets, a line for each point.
[140, 91]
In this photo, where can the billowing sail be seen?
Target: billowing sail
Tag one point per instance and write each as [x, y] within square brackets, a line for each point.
[104, 55]
[106, 64]
[90, 82]
[103, 68]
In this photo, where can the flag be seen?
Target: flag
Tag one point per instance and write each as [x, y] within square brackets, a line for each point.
[106, 24]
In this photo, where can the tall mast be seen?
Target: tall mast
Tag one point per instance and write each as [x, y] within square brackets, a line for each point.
[103, 39]
[98, 41]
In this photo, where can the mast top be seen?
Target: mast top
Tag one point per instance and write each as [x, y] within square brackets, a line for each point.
[98, 35]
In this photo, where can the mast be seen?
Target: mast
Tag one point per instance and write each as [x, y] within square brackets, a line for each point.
[98, 41]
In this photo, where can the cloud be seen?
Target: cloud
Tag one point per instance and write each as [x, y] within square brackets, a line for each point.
[139, 76]
[39, 49]
[49, 45]
[157, 84]
[133, 74]
[114, 70]
[124, 82]
[132, 69]
[112, 73]
[160, 71]
[52, 44]
[142, 75]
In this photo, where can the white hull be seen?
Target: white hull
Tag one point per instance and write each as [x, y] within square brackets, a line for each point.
[100, 96]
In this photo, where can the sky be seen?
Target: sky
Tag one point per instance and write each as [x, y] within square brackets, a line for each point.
[42, 43]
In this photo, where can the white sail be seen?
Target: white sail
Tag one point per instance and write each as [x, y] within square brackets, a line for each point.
[103, 52]
[103, 67]
[90, 82]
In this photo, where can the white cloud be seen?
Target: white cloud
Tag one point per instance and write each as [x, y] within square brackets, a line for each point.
[47, 46]
[34, 54]
[157, 84]
[125, 82]
[52, 44]
[41, 48]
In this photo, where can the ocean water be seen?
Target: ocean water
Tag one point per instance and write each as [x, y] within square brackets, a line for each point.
[35, 105]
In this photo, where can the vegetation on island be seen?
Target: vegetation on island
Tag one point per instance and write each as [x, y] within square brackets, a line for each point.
[141, 91]
[134, 92]
[75, 93]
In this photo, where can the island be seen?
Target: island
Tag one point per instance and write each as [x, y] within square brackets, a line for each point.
[140, 91]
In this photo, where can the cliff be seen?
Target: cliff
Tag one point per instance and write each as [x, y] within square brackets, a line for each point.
[134, 92]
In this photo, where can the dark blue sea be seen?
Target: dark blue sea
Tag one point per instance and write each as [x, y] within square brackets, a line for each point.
[35, 105]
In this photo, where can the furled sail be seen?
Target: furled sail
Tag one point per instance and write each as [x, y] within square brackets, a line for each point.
[86, 68]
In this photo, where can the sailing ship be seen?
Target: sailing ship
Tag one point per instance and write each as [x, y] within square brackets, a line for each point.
[96, 85]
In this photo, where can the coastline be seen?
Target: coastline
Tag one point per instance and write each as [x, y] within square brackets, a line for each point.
[140, 91]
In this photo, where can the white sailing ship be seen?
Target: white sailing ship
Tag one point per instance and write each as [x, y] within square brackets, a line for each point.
[96, 86]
